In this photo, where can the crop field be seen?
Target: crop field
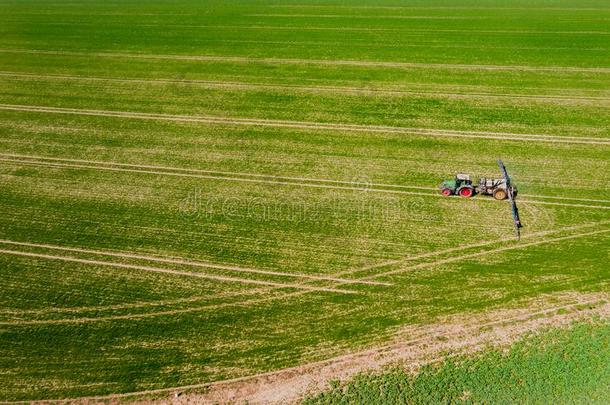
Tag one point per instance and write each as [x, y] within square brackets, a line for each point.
[194, 192]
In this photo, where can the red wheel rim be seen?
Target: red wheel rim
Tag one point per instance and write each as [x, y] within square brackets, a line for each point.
[466, 192]
[446, 192]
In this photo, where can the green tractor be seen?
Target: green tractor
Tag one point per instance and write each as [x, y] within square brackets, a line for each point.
[461, 185]
[500, 189]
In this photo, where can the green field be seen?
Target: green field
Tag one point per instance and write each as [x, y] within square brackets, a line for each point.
[563, 366]
[194, 191]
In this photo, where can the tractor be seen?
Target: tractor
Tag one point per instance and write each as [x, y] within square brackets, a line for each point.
[500, 189]
[461, 185]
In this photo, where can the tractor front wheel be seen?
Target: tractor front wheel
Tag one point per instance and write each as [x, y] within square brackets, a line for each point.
[446, 192]
[500, 194]
[466, 192]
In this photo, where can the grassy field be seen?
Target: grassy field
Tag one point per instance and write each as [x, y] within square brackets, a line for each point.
[198, 191]
[560, 366]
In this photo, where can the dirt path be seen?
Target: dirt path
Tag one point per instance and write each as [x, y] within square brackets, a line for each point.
[506, 136]
[316, 89]
[321, 62]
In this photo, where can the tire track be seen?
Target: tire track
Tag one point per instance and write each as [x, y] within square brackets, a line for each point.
[209, 177]
[504, 136]
[117, 307]
[297, 180]
[409, 258]
[485, 253]
[316, 89]
[302, 292]
[321, 62]
[215, 84]
[564, 198]
[602, 207]
[267, 176]
[249, 292]
[261, 178]
[193, 263]
[109, 318]
[174, 272]
[354, 43]
[348, 29]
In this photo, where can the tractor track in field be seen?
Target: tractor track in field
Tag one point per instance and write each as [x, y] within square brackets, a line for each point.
[315, 89]
[268, 27]
[411, 347]
[484, 253]
[410, 258]
[339, 29]
[302, 292]
[117, 307]
[188, 262]
[354, 43]
[321, 62]
[170, 312]
[217, 120]
[173, 272]
[369, 7]
[194, 299]
[52, 162]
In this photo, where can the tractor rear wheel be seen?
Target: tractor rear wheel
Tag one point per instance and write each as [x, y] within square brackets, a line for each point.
[466, 192]
[446, 192]
[500, 194]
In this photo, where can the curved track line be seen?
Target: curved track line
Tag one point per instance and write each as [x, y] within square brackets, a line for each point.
[174, 272]
[504, 136]
[249, 292]
[323, 62]
[174, 260]
[329, 89]
[485, 253]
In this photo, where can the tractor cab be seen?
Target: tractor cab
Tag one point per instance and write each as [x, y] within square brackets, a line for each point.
[461, 185]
